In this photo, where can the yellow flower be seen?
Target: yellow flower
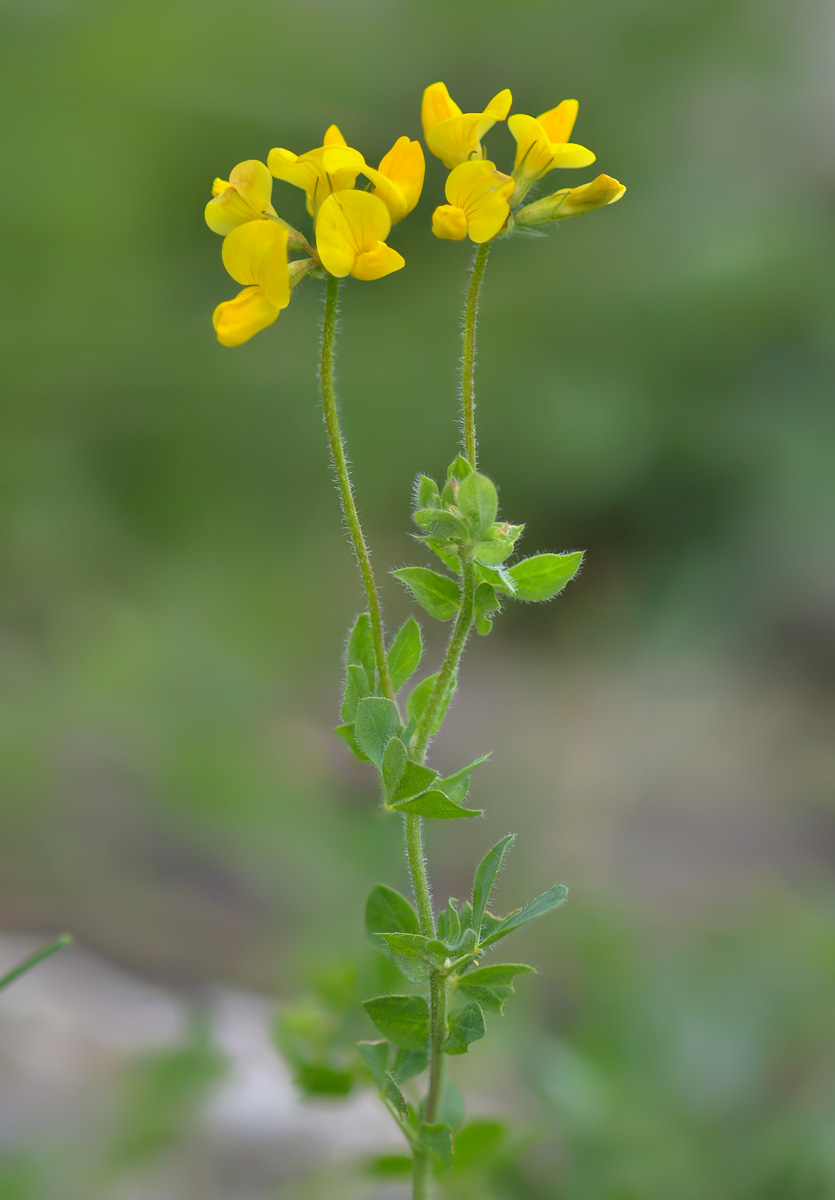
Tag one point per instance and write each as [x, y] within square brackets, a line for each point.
[245, 196]
[571, 202]
[398, 180]
[478, 206]
[350, 236]
[453, 136]
[542, 142]
[331, 167]
[254, 254]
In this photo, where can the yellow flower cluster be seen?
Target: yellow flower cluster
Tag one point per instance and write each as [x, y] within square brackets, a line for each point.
[351, 226]
[481, 200]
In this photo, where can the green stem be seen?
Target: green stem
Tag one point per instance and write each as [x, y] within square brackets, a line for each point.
[32, 961]
[468, 328]
[343, 479]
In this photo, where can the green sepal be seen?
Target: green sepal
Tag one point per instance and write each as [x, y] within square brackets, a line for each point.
[466, 1025]
[346, 732]
[395, 757]
[543, 576]
[405, 653]
[357, 687]
[553, 898]
[408, 1063]
[360, 649]
[436, 805]
[438, 594]
[386, 911]
[404, 1020]
[436, 1141]
[478, 503]
[426, 493]
[376, 723]
[449, 924]
[459, 468]
[485, 877]
[414, 781]
[491, 986]
[486, 603]
[420, 696]
[441, 524]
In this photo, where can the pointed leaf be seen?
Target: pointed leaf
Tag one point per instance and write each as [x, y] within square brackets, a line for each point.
[438, 594]
[485, 877]
[478, 502]
[414, 780]
[553, 898]
[408, 1063]
[542, 576]
[357, 687]
[449, 925]
[404, 1020]
[426, 493]
[395, 757]
[437, 805]
[376, 722]
[376, 1055]
[459, 468]
[451, 1111]
[409, 952]
[421, 695]
[436, 1140]
[492, 985]
[346, 732]
[492, 552]
[440, 523]
[360, 651]
[466, 1025]
[405, 653]
[393, 1095]
[386, 911]
[486, 603]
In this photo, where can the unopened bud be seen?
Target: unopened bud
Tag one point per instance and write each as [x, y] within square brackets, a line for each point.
[571, 202]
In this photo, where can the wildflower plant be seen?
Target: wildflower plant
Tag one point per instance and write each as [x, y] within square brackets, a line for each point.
[451, 985]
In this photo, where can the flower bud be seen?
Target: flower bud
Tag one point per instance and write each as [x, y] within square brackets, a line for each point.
[571, 202]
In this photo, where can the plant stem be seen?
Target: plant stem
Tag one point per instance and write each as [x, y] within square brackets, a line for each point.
[32, 961]
[343, 479]
[468, 328]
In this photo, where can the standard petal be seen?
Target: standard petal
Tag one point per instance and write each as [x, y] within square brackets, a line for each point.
[569, 154]
[533, 151]
[349, 224]
[380, 260]
[236, 321]
[499, 106]
[437, 106]
[291, 168]
[256, 253]
[226, 212]
[405, 166]
[252, 181]
[333, 137]
[558, 122]
[471, 181]
[458, 139]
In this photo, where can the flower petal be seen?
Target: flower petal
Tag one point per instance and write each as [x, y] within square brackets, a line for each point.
[236, 321]
[256, 253]
[533, 149]
[333, 137]
[246, 196]
[437, 106]
[499, 106]
[449, 222]
[569, 154]
[349, 224]
[558, 122]
[380, 260]
[404, 166]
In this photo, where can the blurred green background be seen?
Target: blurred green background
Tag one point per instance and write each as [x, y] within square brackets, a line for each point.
[655, 385]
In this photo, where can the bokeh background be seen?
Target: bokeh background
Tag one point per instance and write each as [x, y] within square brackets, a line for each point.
[655, 385]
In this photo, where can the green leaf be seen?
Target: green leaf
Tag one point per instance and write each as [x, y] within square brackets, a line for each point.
[440, 523]
[477, 1143]
[426, 493]
[486, 603]
[478, 503]
[389, 1166]
[409, 952]
[553, 898]
[459, 468]
[438, 594]
[386, 911]
[357, 687]
[492, 985]
[449, 925]
[408, 1063]
[376, 1055]
[492, 552]
[457, 785]
[360, 652]
[393, 1095]
[405, 653]
[436, 1140]
[542, 576]
[437, 805]
[420, 696]
[376, 722]
[451, 1110]
[321, 1079]
[466, 1025]
[443, 552]
[485, 877]
[404, 1020]
[414, 780]
[498, 578]
[395, 758]
[346, 732]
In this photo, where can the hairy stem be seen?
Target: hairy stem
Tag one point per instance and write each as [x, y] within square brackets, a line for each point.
[343, 479]
[468, 328]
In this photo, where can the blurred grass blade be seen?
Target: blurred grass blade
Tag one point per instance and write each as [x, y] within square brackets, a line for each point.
[32, 961]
